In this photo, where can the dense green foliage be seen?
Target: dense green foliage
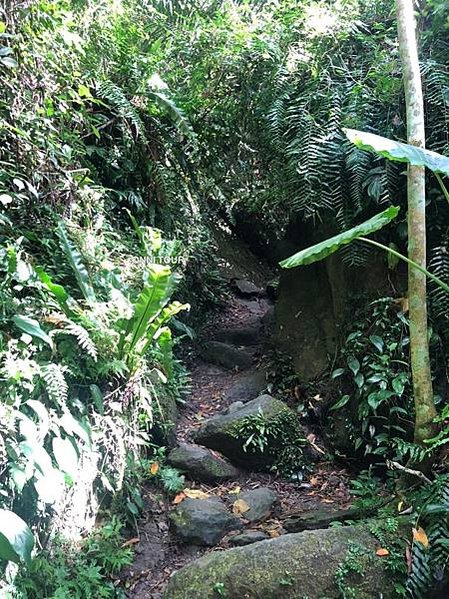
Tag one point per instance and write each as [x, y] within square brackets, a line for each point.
[131, 131]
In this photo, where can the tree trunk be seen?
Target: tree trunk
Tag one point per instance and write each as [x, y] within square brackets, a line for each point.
[419, 346]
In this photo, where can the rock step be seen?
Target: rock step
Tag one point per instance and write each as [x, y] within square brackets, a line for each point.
[292, 566]
[200, 464]
[202, 521]
[247, 388]
[225, 355]
[246, 288]
[246, 335]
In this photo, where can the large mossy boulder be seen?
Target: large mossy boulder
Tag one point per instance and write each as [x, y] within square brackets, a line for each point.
[316, 564]
[201, 464]
[229, 432]
[202, 521]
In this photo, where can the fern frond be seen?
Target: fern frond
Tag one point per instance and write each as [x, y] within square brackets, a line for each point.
[56, 385]
[81, 335]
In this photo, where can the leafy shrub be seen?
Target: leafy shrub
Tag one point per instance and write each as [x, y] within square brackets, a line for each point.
[80, 571]
[374, 380]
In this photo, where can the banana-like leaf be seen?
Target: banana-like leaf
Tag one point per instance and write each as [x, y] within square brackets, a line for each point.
[16, 539]
[331, 245]
[76, 262]
[165, 315]
[155, 295]
[399, 152]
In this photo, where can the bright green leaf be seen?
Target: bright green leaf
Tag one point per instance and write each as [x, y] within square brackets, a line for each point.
[32, 327]
[399, 152]
[16, 539]
[329, 246]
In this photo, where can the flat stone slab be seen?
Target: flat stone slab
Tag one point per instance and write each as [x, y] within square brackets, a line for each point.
[202, 521]
[225, 355]
[248, 537]
[200, 464]
[319, 518]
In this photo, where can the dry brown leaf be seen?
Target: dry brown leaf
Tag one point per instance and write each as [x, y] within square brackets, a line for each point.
[235, 491]
[130, 542]
[195, 494]
[240, 507]
[419, 535]
[154, 468]
[382, 552]
[313, 480]
[179, 497]
[274, 533]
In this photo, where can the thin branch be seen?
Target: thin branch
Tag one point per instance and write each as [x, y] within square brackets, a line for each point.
[396, 466]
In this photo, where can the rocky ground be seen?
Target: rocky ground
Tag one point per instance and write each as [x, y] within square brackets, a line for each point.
[231, 500]
[231, 505]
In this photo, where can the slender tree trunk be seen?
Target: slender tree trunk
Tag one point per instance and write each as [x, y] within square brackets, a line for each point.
[419, 346]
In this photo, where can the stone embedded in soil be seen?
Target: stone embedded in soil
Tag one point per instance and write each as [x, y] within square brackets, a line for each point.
[247, 537]
[247, 387]
[202, 521]
[201, 464]
[221, 432]
[225, 355]
[309, 561]
[244, 335]
[321, 517]
[246, 288]
[261, 501]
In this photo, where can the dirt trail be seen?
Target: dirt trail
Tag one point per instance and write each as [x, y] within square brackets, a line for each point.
[158, 554]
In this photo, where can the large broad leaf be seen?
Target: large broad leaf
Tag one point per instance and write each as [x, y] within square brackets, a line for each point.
[399, 152]
[331, 245]
[155, 295]
[32, 327]
[76, 262]
[16, 539]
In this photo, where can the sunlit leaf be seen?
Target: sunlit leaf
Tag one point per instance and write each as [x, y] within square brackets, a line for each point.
[399, 152]
[329, 246]
[16, 539]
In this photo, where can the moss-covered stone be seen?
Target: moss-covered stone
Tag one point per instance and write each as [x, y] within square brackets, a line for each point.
[298, 565]
[222, 432]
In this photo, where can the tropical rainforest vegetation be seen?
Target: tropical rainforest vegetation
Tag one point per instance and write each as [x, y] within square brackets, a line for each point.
[137, 136]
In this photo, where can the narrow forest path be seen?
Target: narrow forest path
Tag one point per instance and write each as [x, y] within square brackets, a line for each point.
[214, 388]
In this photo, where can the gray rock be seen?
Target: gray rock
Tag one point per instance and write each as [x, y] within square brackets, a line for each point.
[234, 407]
[248, 335]
[247, 388]
[247, 537]
[201, 464]
[246, 288]
[226, 355]
[261, 501]
[221, 432]
[319, 518]
[202, 521]
[309, 560]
